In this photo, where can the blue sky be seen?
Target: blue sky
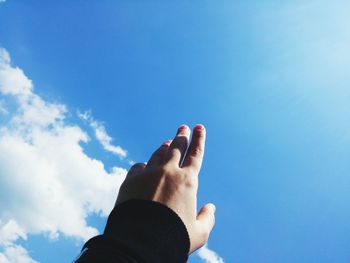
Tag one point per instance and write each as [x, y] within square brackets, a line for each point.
[268, 79]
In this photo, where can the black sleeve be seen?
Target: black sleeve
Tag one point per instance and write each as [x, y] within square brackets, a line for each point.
[139, 231]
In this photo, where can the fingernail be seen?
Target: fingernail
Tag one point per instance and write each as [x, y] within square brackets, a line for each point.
[183, 127]
[199, 127]
[167, 143]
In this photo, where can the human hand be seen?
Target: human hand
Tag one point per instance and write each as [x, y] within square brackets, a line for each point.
[170, 177]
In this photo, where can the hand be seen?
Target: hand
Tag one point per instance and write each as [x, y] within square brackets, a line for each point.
[171, 178]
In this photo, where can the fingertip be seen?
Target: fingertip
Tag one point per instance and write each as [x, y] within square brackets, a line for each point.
[167, 143]
[199, 127]
[209, 208]
[212, 207]
[206, 217]
[199, 130]
[183, 127]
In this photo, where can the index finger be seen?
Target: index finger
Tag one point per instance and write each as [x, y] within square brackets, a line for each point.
[195, 153]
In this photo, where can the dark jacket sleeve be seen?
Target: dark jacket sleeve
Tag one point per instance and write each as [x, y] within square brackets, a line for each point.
[139, 231]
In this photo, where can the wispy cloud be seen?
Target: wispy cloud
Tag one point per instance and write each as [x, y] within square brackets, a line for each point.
[3, 109]
[101, 135]
[53, 166]
[15, 253]
[209, 256]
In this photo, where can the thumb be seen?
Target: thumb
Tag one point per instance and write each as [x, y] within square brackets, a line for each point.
[206, 218]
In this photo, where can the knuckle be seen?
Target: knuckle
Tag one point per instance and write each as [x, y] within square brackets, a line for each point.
[164, 170]
[173, 175]
[190, 182]
[176, 143]
[156, 154]
[179, 142]
[174, 178]
[199, 135]
[169, 169]
[198, 151]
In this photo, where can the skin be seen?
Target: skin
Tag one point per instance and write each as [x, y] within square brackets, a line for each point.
[170, 177]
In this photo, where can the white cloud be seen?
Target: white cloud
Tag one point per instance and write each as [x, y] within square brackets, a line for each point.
[12, 79]
[15, 254]
[101, 135]
[208, 255]
[10, 232]
[2, 1]
[44, 172]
